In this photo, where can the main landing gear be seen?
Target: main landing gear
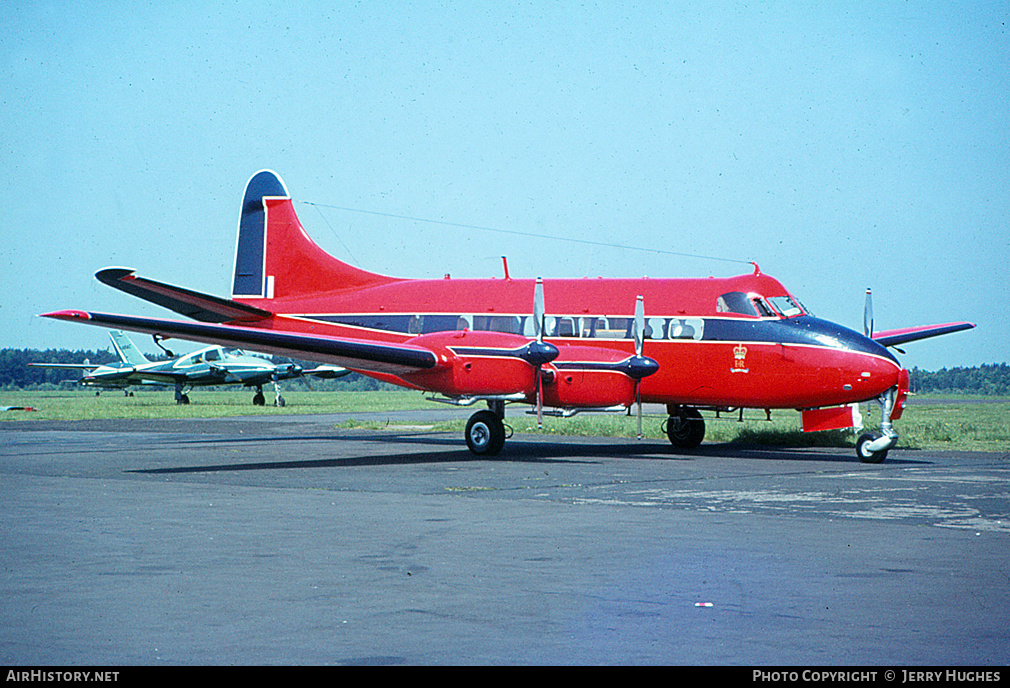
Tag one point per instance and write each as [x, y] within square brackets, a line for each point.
[685, 427]
[485, 431]
[260, 400]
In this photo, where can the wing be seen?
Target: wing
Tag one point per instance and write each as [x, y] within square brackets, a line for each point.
[394, 359]
[911, 334]
[192, 304]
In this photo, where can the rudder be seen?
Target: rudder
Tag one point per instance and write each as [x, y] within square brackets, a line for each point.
[275, 258]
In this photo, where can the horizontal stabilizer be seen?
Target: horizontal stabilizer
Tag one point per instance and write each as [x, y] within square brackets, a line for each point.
[67, 366]
[192, 304]
[327, 372]
[395, 359]
[911, 334]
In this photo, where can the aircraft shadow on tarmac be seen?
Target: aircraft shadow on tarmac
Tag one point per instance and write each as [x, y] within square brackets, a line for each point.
[521, 449]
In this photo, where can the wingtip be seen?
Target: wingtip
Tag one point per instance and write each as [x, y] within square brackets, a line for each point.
[72, 315]
[111, 274]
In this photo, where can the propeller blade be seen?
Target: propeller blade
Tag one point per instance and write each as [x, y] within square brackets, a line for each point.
[540, 398]
[868, 314]
[638, 400]
[638, 329]
[538, 329]
[639, 336]
[538, 310]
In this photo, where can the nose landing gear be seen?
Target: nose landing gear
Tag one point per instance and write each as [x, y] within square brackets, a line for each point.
[872, 447]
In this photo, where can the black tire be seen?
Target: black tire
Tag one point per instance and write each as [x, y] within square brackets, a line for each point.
[686, 430]
[864, 454]
[485, 434]
[259, 399]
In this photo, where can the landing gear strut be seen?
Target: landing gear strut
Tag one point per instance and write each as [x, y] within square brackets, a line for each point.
[872, 447]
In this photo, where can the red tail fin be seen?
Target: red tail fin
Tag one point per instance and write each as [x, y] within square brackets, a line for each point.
[275, 258]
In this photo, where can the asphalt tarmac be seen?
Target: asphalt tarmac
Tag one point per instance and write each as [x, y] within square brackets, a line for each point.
[287, 541]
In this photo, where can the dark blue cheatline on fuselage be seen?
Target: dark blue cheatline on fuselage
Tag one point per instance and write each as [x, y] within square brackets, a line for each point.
[803, 330]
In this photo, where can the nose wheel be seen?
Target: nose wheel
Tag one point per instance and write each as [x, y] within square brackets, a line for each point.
[865, 448]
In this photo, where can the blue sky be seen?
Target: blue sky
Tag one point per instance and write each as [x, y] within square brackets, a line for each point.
[840, 145]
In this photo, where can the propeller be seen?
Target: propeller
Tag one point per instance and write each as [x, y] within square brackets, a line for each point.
[539, 352]
[638, 334]
[639, 366]
[538, 330]
[868, 320]
[868, 314]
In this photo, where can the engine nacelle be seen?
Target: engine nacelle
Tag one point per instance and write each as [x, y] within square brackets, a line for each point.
[481, 363]
[592, 377]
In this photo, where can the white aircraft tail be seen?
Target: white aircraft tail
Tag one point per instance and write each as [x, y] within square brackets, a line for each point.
[127, 350]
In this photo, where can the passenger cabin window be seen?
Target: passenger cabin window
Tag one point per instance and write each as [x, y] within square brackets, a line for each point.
[497, 323]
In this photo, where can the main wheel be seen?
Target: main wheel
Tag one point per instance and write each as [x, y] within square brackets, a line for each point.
[863, 451]
[686, 430]
[259, 399]
[485, 433]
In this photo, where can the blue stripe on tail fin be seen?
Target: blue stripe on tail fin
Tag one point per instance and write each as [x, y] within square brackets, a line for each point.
[248, 278]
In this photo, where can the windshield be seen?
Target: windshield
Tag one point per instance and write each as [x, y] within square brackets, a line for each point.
[787, 306]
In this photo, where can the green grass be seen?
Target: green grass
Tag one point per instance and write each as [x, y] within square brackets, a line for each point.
[85, 405]
[963, 423]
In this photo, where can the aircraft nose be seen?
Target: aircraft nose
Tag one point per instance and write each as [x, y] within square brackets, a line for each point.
[851, 367]
[828, 334]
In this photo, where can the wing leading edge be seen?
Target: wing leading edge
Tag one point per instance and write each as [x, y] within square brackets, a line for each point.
[394, 359]
[911, 334]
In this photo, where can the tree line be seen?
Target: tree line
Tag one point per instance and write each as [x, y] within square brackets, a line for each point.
[15, 372]
[989, 379]
[992, 379]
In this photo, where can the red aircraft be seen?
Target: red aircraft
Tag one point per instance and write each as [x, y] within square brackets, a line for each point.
[561, 346]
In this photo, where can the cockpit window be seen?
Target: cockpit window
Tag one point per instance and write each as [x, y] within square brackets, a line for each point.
[755, 304]
[763, 309]
[744, 304]
[787, 306]
[735, 302]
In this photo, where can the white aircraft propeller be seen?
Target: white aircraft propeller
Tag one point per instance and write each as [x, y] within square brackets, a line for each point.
[638, 333]
[868, 314]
